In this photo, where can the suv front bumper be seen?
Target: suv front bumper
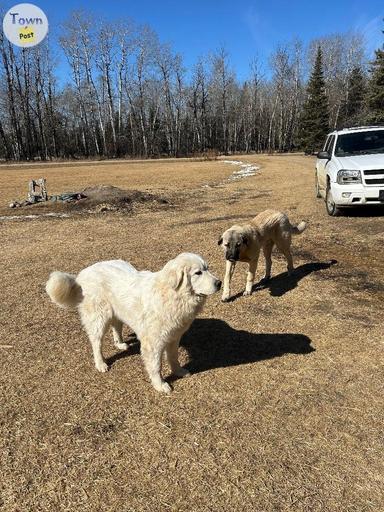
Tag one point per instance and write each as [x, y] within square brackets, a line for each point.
[355, 195]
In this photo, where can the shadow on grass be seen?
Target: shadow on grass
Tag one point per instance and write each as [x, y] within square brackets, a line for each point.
[283, 283]
[133, 348]
[212, 343]
[363, 211]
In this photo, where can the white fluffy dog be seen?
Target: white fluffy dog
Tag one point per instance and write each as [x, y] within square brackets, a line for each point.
[158, 306]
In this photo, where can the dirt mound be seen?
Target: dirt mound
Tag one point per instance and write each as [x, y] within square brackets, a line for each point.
[97, 199]
[108, 198]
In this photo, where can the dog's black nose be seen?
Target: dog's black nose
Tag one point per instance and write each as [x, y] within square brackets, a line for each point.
[218, 284]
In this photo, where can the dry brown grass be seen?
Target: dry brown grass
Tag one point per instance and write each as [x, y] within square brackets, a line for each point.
[284, 410]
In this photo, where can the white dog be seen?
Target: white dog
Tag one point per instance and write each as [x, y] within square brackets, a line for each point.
[159, 306]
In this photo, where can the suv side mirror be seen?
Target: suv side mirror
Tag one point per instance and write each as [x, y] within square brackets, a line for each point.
[324, 155]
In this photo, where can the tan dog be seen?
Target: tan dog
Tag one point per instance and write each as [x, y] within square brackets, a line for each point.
[243, 243]
[158, 306]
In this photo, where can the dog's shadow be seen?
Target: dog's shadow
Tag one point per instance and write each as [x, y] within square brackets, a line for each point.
[283, 283]
[133, 349]
[212, 343]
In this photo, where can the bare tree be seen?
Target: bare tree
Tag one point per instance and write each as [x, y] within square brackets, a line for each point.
[129, 94]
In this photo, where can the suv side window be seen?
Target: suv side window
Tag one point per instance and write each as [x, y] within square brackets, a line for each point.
[330, 144]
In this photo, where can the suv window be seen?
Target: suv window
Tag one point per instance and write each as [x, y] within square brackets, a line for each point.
[360, 143]
[329, 144]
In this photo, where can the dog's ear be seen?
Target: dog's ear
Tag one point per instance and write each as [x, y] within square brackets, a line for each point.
[175, 277]
[244, 239]
[220, 241]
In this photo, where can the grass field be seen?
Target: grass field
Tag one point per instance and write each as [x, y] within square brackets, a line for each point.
[284, 410]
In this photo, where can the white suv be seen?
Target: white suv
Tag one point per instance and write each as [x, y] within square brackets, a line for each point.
[350, 169]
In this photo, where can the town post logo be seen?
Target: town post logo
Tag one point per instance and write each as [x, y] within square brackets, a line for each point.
[25, 25]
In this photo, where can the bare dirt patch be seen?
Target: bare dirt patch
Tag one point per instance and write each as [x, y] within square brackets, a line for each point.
[92, 199]
[109, 198]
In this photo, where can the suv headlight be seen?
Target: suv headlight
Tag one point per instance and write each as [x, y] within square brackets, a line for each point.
[345, 177]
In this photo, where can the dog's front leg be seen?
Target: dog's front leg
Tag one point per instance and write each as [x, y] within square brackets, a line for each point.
[267, 250]
[152, 353]
[250, 277]
[229, 269]
[172, 351]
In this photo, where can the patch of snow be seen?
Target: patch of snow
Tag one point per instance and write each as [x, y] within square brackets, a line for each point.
[32, 216]
[245, 170]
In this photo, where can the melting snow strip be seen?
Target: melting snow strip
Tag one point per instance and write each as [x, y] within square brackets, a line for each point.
[245, 171]
[32, 216]
[233, 162]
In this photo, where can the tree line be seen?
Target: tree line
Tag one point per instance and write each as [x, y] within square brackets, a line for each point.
[129, 94]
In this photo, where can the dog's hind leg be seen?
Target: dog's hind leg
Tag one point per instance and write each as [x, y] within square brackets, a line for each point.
[229, 270]
[152, 354]
[284, 246]
[117, 331]
[172, 351]
[95, 322]
[250, 276]
[267, 250]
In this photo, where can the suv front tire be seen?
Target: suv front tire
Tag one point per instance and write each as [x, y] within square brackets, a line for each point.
[330, 205]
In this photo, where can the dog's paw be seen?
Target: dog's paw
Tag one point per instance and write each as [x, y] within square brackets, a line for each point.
[225, 298]
[102, 367]
[121, 346]
[165, 388]
[162, 386]
[246, 293]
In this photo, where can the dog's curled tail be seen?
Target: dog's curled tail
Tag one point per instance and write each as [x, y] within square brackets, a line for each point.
[63, 290]
[297, 230]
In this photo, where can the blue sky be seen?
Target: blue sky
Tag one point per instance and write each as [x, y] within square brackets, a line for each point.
[245, 27]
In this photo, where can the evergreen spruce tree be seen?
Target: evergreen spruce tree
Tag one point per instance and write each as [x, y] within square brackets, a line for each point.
[375, 93]
[352, 112]
[314, 122]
